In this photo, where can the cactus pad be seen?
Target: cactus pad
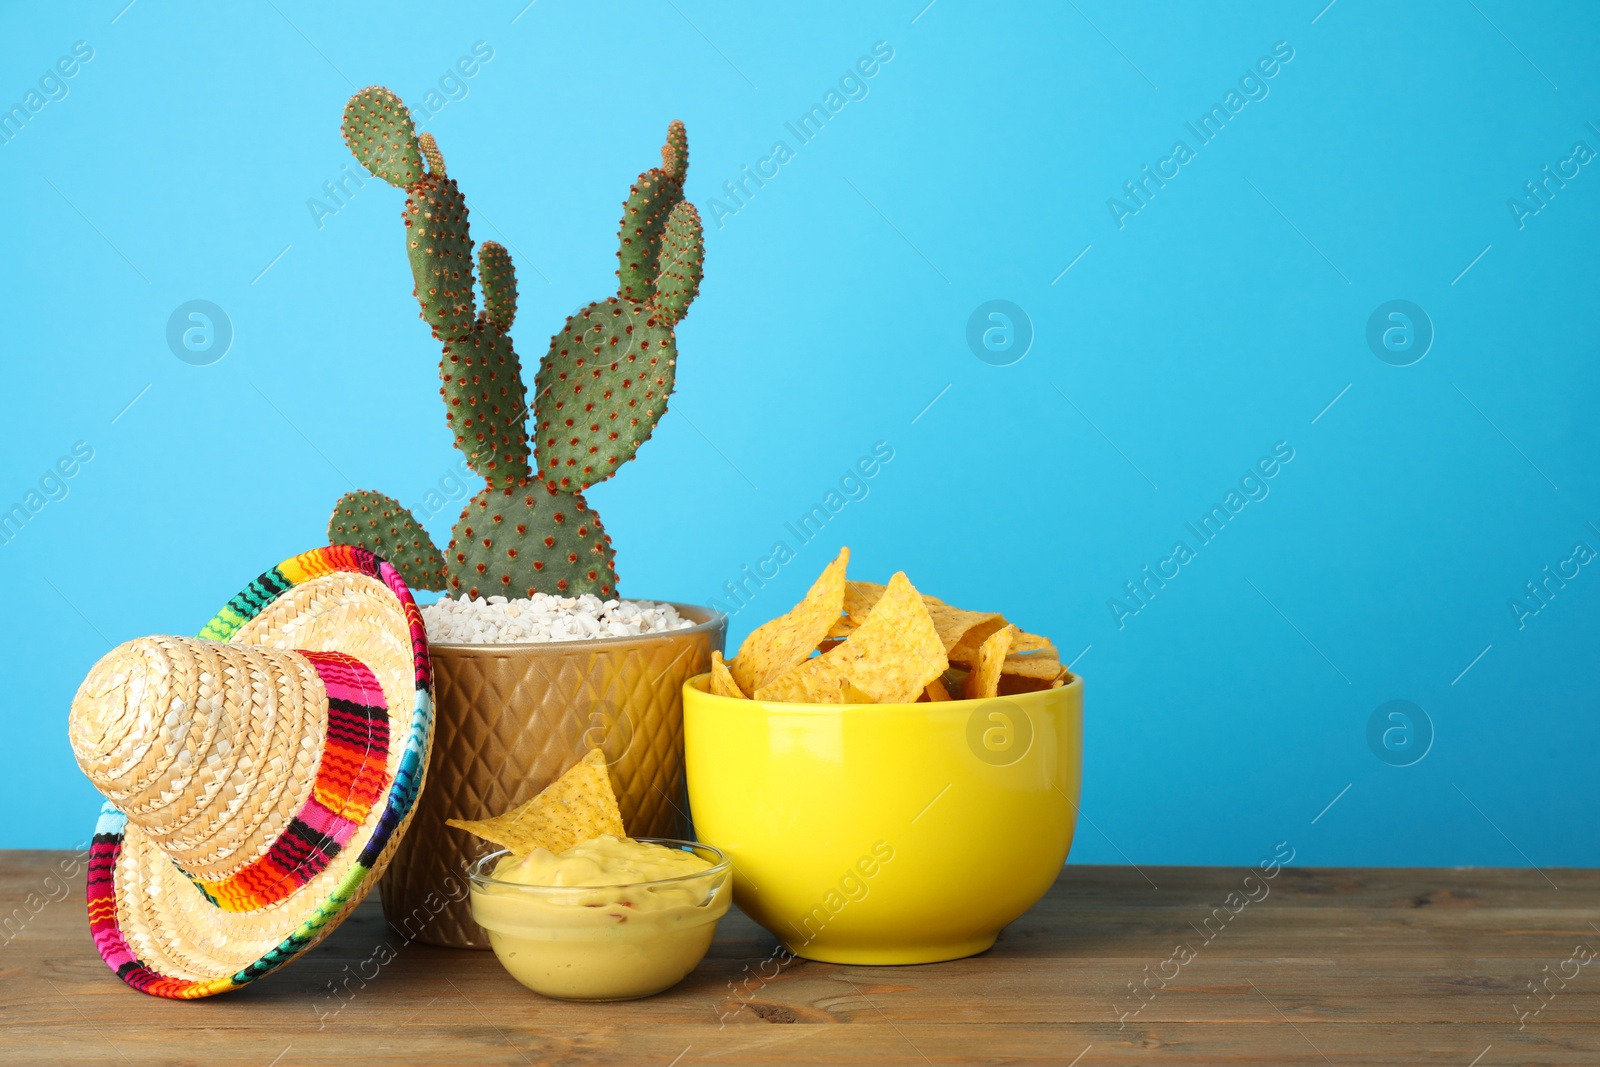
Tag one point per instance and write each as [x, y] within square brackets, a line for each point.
[525, 539]
[682, 255]
[378, 129]
[499, 281]
[430, 152]
[600, 391]
[440, 251]
[383, 527]
[675, 153]
[644, 217]
[486, 405]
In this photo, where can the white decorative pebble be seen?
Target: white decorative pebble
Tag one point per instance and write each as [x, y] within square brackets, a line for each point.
[497, 620]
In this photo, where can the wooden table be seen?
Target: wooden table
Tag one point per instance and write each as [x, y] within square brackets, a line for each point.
[1328, 966]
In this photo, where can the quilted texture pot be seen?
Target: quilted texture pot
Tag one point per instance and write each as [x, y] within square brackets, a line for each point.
[509, 719]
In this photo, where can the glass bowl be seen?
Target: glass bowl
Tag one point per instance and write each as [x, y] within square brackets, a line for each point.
[611, 942]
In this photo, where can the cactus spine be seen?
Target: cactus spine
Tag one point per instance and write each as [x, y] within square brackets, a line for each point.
[598, 394]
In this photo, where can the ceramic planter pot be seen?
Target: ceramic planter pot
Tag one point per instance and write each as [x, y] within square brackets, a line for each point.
[510, 719]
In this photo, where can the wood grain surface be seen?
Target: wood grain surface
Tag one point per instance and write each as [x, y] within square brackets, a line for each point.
[1467, 967]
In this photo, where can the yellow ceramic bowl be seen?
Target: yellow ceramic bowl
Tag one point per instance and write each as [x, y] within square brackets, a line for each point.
[879, 834]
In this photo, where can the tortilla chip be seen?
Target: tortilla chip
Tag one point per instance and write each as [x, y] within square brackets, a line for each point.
[785, 642]
[966, 650]
[1026, 642]
[1045, 666]
[813, 682]
[984, 681]
[951, 622]
[954, 624]
[936, 691]
[852, 695]
[891, 657]
[579, 806]
[722, 683]
[858, 600]
[860, 596]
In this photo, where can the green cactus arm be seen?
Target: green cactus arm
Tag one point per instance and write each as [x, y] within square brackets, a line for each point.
[378, 129]
[499, 280]
[644, 216]
[675, 153]
[519, 540]
[486, 404]
[683, 252]
[430, 152]
[439, 246]
[600, 391]
[380, 525]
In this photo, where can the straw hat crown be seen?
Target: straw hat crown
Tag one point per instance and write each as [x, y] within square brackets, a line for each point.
[210, 748]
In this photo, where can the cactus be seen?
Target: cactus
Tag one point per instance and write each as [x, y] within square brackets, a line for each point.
[598, 394]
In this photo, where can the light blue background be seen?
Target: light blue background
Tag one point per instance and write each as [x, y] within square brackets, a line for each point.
[1223, 318]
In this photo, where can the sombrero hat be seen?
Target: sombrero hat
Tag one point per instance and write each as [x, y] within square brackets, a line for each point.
[258, 777]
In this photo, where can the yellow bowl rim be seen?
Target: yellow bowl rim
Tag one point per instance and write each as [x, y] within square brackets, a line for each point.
[699, 682]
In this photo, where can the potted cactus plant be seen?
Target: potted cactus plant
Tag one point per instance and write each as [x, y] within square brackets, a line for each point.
[512, 717]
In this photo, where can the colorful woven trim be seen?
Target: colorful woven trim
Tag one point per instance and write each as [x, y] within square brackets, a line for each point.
[315, 564]
[402, 792]
[351, 776]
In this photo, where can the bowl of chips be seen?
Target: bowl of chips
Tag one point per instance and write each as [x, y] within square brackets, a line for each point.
[893, 778]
